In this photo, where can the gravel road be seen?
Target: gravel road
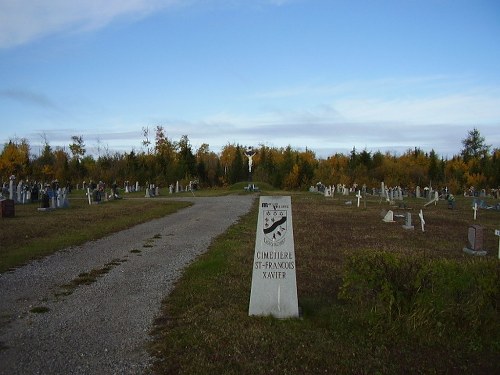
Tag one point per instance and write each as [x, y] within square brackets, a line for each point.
[103, 327]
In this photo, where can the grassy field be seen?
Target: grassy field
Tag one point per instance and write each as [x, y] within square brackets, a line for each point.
[374, 298]
[32, 234]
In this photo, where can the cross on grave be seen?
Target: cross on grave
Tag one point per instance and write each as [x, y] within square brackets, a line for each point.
[358, 196]
[475, 210]
[497, 233]
[422, 221]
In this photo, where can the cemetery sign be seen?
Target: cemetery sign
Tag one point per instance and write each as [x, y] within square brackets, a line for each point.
[274, 286]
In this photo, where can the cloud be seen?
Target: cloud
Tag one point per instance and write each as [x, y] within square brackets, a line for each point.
[28, 97]
[22, 21]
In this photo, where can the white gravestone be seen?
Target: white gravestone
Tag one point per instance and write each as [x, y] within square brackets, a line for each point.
[274, 285]
[389, 217]
[475, 210]
[358, 196]
[497, 233]
[417, 192]
[19, 190]
[422, 221]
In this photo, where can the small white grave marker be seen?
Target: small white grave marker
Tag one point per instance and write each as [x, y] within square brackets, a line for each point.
[475, 210]
[389, 217]
[274, 285]
[497, 233]
[358, 196]
[422, 221]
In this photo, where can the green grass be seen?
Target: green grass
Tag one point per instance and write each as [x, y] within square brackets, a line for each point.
[205, 327]
[32, 234]
[40, 310]
[87, 278]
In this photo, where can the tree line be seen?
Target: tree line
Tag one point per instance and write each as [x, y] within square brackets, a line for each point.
[164, 161]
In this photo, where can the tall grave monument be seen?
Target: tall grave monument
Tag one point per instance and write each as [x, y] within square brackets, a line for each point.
[274, 285]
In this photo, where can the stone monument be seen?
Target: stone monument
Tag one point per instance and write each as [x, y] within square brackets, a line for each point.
[274, 285]
[475, 237]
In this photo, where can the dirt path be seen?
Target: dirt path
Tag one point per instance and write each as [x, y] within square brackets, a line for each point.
[102, 327]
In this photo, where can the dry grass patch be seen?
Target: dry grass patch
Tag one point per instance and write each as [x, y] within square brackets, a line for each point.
[205, 327]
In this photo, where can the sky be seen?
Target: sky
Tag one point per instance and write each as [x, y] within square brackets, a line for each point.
[326, 75]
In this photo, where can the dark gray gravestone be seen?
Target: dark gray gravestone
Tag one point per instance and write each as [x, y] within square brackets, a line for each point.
[45, 200]
[408, 224]
[7, 208]
[475, 237]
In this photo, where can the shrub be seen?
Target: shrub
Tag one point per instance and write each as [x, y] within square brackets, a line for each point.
[437, 297]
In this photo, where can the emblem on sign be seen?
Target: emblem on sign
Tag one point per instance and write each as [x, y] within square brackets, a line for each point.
[274, 226]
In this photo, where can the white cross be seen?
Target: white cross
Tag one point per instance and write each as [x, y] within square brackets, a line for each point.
[422, 221]
[475, 210]
[358, 196]
[497, 233]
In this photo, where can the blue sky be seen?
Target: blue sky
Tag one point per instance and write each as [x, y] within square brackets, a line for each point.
[328, 75]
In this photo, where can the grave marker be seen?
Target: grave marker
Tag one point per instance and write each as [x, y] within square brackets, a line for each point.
[422, 221]
[408, 224]
[389, 217]
[475, 210]
[358, 196]
[475, 237]
[274, 286]
[497, 233]
[7, 207]
[11, 186]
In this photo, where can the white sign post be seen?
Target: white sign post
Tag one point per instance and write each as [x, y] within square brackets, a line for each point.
[497, 233]
[274, 285]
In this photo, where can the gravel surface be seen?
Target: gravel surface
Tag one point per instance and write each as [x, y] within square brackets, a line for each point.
[103, 327]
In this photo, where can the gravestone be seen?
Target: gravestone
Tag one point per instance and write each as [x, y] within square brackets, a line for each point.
[497, 233]
[389, 217]
[422, 221]
[358, 196]
[382, 190]
[274, 286]
[475, 238]
[19, 192]
[417, 192]
[7, 207]
[11, 187]
[408, 224]
[45, 202]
